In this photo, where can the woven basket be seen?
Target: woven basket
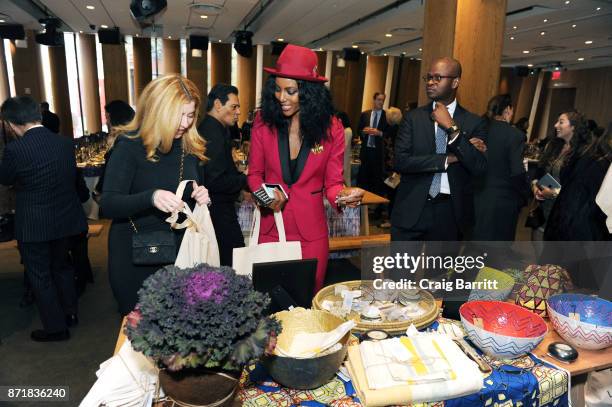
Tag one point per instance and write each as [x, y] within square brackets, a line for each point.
[427, 302]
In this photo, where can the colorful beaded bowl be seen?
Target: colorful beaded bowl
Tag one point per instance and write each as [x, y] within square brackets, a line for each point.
[501, 329]
[582, 320]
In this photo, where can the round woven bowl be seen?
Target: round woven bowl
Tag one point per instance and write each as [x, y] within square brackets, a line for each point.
[582, 320]
[508, 330]
[427, 302]
[305, 374]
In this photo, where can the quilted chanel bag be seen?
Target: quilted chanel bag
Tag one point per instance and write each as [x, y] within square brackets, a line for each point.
[153, 248]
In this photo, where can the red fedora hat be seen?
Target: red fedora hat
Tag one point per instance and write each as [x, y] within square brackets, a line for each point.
[297, 63]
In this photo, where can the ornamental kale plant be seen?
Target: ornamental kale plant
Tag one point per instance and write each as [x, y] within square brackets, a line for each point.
[201, 317]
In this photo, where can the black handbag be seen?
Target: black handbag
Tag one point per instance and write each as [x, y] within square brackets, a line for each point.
[535, 218]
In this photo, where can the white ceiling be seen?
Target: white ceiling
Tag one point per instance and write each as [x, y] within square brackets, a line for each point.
[306, 21]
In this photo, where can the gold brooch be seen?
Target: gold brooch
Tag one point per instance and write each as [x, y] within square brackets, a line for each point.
[317, 149]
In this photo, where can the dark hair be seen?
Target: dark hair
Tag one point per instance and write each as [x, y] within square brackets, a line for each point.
[344, 119]
[497, 105]
[119, 113]
[520, 123]
[579, 143]
[44, 105]
[316, 110]
[602, 147]
[220, 91]
[21, 110]
[378, 93]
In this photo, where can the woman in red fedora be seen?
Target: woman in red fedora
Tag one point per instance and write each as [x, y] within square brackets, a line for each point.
[297, 142]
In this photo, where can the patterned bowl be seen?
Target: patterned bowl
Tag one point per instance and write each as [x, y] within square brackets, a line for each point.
[505, 283]
[582, 320]
[507, 330]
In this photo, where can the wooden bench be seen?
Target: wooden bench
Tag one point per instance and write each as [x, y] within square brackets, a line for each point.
[93, 231]
[356, 242]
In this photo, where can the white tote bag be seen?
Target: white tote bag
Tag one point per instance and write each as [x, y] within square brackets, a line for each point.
[199, 243]
[245, 257]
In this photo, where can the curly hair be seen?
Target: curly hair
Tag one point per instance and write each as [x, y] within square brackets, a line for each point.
[316, 110]
[579, 143]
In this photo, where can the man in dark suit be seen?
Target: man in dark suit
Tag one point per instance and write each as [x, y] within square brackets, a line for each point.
[42, 166]
[437, 159]
[49, 119]
[221, 177]
[371, 129]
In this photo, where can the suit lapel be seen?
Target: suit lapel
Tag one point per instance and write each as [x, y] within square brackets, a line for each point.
[302, 158]
[283, 152]
[431, 129]
[459, 116]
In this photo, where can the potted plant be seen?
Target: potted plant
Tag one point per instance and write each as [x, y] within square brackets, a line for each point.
[201, 326]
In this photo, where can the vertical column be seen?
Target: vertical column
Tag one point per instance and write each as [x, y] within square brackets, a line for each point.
[89, 83]
[114, 62]
[5, 91]
[247, 71]
[389, 80]
[348, 89]
[259, 74]
[220, 63]
[329, 60]
[27, 69]
[61, 94]
[375, 77]
[452, 28]
[197, 71]
[143, 71]
[171, 51]
[409, 83]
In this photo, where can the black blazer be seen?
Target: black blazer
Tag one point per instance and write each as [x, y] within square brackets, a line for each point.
[417, 162]
[42, 166]
[364, 121]
[220, 174]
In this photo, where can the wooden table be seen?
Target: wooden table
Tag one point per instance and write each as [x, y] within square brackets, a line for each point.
[369, 198]
[93, 231]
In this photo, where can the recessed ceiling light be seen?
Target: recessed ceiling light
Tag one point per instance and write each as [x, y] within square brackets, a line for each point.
[80, 32]
[545, 20]
[542, 32]
[514, 28]
[138, 35]
[598, 8]
[2, 21]
[355, 46]
[557, 68]
[220, 41]
[280, 39]
[169, 37]
[526, 52]
[511, 38]
[104, 26]
[580, 59]
[573, 25]
[362, 52]
[420, 49]
[403, 53]
[203, 16]
[567, 2]
[589, 42]
[388, 35]
[530, 65]
[384, 54]
[90, 7]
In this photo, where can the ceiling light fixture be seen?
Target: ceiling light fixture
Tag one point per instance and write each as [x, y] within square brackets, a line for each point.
[526, 52]
[589, 42]
[542, 32]
[385, 55]
[169, 37]
[280, 39]
[530, 65]
[104, 26]
[567, 2]
[545, 20]
[420, 49]
[220, 41]
[580, 59]
[90, 7]
[557, 68]
[203, 16]
[514, 28]
[388, 35]
[355, 46]
[573, 25]
[2, 21]
[511, 38]
[598, 9]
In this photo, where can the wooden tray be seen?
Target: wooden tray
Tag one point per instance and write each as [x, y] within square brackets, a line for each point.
[427, 302]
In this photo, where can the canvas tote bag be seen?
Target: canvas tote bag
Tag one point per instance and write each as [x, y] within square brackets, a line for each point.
[245, 257]
[199, 243]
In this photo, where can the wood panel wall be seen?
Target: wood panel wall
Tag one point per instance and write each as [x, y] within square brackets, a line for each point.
[114, 62]
[406, 83]
[375, 77]
[220, 63]
[347, 87]
[171, 60]
[247, 69]
[27, 69]
[61, 94]
[143, 70]
[88, 70]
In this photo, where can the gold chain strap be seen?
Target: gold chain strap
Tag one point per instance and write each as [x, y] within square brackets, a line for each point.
[180, 180]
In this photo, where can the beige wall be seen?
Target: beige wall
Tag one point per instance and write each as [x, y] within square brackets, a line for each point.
[375, 77]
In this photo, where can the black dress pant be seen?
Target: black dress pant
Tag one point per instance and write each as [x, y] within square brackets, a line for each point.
[52, 279]
[227, 229]
[436, 223]
[370, 175]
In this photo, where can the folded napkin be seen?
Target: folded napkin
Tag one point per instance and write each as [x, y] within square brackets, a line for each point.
[309, 345]
[427, 367]
[126, 379]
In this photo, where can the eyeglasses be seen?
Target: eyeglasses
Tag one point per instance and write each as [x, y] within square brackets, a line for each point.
[436, 78]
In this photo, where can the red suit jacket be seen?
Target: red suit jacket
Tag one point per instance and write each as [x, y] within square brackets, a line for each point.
[319, 172]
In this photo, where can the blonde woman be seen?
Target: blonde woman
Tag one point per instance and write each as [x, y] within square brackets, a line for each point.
[159, 147]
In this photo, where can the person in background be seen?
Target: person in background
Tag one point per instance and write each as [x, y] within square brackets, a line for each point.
[152, 154]
[570, 139]
[348, 141]
[372, 130]
[42, 166]
[49, 119]
[221, 177]
[522, 125]
[504, 189]
[298, 143]
[394, 117]
[245, 131]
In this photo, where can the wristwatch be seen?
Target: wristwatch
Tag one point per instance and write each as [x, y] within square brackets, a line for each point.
[452, 129]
